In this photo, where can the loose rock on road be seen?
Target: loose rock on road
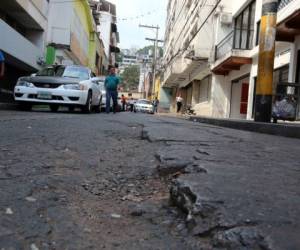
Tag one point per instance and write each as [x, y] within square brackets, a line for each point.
[127, 181]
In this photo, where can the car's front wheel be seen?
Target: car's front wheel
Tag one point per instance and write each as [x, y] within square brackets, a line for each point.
[98, 108]
[54, 107]
[87, 108]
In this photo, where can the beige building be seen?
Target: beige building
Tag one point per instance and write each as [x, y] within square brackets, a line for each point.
[226, 87]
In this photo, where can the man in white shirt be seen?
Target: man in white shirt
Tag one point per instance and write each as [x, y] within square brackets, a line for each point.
[179, 101]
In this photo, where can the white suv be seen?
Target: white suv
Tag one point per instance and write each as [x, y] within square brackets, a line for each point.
[59, 85]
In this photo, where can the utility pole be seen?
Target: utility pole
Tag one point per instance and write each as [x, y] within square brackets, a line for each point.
[264, 87]
[155, 52]
[154, 64]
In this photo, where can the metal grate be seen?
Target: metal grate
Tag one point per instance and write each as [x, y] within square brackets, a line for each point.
[283, 3]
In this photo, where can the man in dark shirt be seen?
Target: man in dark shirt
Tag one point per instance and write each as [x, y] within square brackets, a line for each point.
[111, 85]
[2, 59]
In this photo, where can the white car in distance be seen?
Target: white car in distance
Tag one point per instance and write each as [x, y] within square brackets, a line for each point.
[144, 106]
[59, 85]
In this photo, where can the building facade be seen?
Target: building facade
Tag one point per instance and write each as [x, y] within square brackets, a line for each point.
[23, 29]
[226, 86]
[108, 30]
[71, 34]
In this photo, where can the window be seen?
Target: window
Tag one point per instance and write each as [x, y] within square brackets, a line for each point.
[244, 28]
[257, 32]
[204, 89]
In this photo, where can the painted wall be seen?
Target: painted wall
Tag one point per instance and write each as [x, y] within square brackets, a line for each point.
[59, 23]
[82, 35]
[71, 27]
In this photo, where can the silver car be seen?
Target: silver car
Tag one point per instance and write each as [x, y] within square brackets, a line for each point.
[143, 106]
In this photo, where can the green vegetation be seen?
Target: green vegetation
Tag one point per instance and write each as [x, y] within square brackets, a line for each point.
[130, 78]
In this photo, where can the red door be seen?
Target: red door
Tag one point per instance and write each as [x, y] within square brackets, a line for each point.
[244, 98]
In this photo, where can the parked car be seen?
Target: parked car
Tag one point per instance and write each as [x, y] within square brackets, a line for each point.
[59, 85]
[144, 106]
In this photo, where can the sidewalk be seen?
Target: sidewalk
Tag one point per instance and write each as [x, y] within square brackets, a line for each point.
[286, 129]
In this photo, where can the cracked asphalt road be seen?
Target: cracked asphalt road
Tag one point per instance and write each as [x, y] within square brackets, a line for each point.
[74, 181]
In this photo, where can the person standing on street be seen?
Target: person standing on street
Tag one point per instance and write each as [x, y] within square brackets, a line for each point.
[123, 101]
[179, 101]
[155, 105]
[131, 102]
[2, 66]
[111, 85]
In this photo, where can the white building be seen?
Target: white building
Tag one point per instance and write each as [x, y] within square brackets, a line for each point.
[227, 88]
[235, 66]
[188, 45]
[108, 30]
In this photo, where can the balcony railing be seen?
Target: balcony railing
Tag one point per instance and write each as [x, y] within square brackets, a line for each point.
[283, 3]
[224, 46]
[239, 39]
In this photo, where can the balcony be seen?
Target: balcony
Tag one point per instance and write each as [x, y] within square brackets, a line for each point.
[288, 19]
[14, 44]
[231, 55]
[284, 3]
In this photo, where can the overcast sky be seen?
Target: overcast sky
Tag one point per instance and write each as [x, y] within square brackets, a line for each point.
[130, 33]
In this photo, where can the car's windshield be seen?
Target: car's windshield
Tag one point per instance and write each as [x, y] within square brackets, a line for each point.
[143, 102]
[76, 72]
[65, 71]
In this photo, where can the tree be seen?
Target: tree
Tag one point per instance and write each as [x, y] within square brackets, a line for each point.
[130, 77]
[145, 50]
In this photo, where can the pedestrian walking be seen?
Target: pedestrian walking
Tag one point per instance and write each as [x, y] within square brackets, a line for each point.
[2, 65]
[123, 101]
[111, 85]
[155, 105]
[179, 101]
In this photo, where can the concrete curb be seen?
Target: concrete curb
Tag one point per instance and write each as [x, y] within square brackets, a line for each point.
[286, 130]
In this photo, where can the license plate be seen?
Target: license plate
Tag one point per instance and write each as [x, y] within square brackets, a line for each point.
[44, 95]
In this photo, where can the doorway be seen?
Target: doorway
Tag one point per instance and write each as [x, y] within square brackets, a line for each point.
[239, 98]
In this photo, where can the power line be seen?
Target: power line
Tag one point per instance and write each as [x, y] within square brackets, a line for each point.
[118, 18]
[201, 5]
[193, 37]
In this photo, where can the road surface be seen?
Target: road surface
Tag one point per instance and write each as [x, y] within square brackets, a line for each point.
[98, 181]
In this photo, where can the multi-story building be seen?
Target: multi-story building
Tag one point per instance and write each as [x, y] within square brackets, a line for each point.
[23, 28]
[227, 88]
[188, 45]
[236, 56]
